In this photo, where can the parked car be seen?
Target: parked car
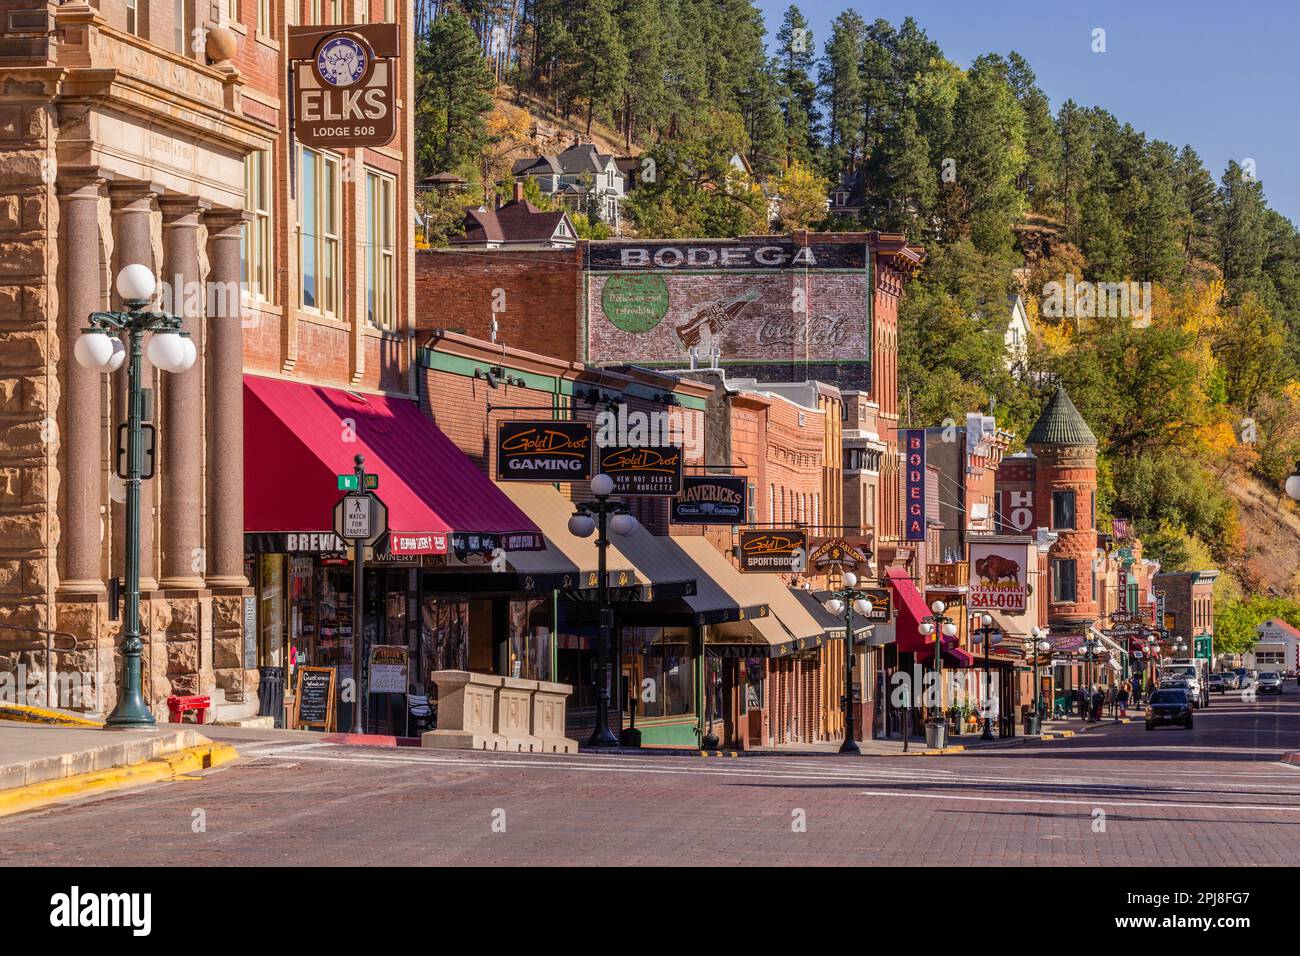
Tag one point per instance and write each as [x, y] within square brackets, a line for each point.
[1270, 682]
[1169, 705]
[1218, 683]
[1231, 681]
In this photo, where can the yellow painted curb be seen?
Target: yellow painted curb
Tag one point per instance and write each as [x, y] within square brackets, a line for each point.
[40, 715]
[719, 753]
[166, 767]
[1067, 733]
[1046, 736]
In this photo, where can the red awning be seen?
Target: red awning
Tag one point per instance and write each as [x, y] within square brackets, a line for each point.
[912, 610]
[298, 438]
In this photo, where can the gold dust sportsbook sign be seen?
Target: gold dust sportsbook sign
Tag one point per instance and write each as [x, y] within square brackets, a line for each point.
[345, 84]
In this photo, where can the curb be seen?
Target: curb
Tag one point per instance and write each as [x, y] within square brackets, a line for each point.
[164, 768]
[40, 715]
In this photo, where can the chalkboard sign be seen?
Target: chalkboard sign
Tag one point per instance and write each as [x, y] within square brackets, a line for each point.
[316, 697]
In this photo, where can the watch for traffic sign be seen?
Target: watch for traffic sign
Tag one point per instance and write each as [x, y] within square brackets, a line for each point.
[360, 517]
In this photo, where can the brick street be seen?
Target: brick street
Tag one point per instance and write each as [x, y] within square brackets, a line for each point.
[1215, 795]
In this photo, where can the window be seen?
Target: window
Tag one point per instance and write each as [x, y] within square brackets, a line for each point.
[258, 271]
[1063, 580]
[1062, 509]
[751, 502]
[264, 25]
[388, 11]
[133, 17]
[381, 263]
[180, 31]
[318, 217]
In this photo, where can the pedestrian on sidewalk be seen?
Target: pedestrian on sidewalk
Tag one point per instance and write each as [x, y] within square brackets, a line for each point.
[1098, 702]
[1112, 700]
[1081, 697]
[1125, 692]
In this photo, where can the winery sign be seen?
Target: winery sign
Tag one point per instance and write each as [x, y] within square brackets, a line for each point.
[345, 84]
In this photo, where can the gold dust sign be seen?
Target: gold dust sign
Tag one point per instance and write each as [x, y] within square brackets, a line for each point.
[779, 551]
[345, 84]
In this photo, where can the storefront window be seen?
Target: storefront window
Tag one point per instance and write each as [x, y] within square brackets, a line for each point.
[530, 639]
[444, 635]
[754, 671]
[270, 611]
[658, 659]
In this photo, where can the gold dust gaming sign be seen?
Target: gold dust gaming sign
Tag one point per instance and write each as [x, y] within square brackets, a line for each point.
[345, 84]
[543, 451]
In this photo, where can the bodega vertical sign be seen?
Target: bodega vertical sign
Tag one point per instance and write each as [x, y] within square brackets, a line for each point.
[914, 484]
[345, 84]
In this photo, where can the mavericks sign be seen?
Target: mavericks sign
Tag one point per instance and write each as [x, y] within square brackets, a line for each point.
[710, 499]
[345, 84]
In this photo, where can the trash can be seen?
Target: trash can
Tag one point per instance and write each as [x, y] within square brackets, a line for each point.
[270, 694]
[1032, 724]
[936, 734]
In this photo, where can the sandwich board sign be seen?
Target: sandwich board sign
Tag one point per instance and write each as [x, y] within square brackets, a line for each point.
[345, 84]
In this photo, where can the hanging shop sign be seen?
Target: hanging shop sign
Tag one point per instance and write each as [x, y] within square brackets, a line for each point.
[345, 84]
[643, 471]
[773, 551]
[543, 451]
[997, 577]
[844, 553]
[914, 484]
[710, 499]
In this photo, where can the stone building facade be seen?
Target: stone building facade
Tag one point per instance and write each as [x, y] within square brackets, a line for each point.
[156, 134]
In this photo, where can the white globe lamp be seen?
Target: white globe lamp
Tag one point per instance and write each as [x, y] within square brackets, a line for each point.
[136, 284]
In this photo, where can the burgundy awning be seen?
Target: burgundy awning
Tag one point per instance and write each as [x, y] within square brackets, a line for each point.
[299, 437]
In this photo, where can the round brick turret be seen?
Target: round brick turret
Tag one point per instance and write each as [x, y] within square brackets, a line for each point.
[1066, 453]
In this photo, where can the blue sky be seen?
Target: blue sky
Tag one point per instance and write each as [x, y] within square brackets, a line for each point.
[1224, 78]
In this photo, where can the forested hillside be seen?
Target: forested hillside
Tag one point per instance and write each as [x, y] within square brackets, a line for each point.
[1008, 194]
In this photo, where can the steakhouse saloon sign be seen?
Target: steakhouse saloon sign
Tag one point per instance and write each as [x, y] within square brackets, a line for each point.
[543, 451]
[345, 84]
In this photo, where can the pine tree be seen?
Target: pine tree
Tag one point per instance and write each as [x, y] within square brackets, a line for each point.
[989, 149]
[1075, 160]
[798, 92]
[453, 96]
[1242, 233]
[643, 86]
[842, 92]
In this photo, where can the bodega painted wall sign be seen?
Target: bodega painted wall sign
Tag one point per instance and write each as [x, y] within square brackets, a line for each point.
[727, 255]
[345, 84]
[768, 551]
[643, 471]
[543, 451]
[710, 499]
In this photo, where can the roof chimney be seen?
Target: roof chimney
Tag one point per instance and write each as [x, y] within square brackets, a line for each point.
[497, 204]
[519, 191]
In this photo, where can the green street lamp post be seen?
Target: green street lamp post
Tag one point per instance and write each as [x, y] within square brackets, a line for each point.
[602, 515]
[847, 600]
[1092, 649]
[1036, 643]
[987, 635]
[100, 348]
[940, 626]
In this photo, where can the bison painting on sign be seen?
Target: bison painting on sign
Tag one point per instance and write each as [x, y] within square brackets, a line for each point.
[759, 303]
[997, 577]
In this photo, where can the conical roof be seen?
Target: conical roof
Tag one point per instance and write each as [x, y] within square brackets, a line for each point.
[1061, 424]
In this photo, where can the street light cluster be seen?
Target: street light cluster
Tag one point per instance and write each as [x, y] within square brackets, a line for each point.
[848, 600]
[598, 517]
[99, 347]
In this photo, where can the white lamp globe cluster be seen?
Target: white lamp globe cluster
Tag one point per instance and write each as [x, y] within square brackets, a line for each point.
[101, 351]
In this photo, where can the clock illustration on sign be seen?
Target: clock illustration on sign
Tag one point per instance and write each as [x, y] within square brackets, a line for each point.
[343, 61]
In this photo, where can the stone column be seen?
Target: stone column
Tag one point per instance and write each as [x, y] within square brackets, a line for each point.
[225, 382]
[132, 204]
[80, 541]
[181, 428]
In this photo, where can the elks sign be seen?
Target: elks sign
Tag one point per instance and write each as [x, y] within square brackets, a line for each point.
[345, 84]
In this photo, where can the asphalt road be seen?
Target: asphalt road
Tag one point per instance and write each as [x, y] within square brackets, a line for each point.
[1117, 795]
